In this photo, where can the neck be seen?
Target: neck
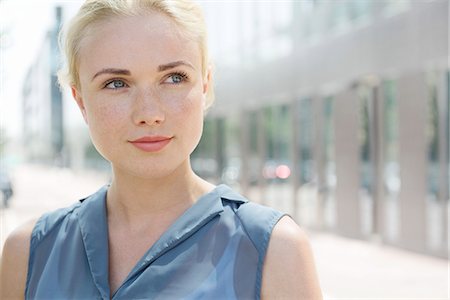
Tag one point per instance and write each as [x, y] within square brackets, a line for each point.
[132, 198]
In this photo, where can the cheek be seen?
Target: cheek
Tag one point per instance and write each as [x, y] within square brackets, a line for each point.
[196, 122]
[104, 117]
[104, 122]
[188, 113]
[184, 100]
[190, 109]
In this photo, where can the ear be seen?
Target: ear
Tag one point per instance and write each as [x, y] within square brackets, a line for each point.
[207, 80]
[207, 85]
[76, 94]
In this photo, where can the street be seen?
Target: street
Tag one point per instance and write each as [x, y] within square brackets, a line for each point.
[40, 189]
[348, 269]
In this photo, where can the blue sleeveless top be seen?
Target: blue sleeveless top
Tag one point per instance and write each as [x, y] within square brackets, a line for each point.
[215, 250]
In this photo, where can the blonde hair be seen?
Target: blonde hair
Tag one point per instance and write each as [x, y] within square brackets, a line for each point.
[186, 14]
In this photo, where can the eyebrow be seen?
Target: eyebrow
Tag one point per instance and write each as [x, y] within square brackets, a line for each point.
[112, 71]
[174, 64]
[161, 68]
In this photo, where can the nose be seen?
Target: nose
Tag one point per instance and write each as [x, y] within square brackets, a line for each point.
[148, 109]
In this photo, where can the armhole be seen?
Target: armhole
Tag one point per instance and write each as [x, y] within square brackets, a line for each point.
[36, 234]
[44, 225]
[258, 222]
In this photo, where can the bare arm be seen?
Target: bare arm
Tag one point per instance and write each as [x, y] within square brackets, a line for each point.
[289, 271]
[14, 263]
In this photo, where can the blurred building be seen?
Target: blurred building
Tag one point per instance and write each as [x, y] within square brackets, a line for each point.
[337, 112]
[334, 111]
[53, 129]
[43, 130]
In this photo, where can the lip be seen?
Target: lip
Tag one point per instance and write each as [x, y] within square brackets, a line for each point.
[152, 143]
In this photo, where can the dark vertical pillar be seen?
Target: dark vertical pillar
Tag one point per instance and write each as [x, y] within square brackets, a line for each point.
[347, 164]
[220, 155]
[57, 122]
[244, 135]
[378, 162]
[319, 157]
[295, 151]
[262, 151]
[412, 108]
[444, 128]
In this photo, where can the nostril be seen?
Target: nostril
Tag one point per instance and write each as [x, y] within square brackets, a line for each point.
[148, 110]
[146, 118]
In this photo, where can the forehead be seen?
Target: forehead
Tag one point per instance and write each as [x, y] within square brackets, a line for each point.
[146, 40]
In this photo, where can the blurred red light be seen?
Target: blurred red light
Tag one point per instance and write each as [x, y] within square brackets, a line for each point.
[283, 171]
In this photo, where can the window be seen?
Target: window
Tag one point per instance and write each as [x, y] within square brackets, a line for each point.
[329, 161]
[203, 158]
[392, 183]
[306, 140]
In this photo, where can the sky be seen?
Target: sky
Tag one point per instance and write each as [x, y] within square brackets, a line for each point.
[23, 24]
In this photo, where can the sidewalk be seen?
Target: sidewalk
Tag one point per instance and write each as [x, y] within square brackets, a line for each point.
[351, 269]
[39, 189]
[348, 269]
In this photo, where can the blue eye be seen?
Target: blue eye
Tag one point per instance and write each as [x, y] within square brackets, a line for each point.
[176, 78]
[115, 84]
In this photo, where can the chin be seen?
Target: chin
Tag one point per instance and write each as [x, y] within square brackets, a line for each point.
[151, 171]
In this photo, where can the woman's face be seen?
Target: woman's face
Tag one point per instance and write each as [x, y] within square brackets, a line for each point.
[142, 93]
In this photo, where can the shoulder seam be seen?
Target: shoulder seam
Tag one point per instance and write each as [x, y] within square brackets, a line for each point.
[262, 251]
[275, 219]
[245, 228]
[34, 239]
[67, 211]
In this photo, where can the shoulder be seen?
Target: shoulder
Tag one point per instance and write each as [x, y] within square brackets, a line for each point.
[14, 262]
[258, 216]
[289, 252]
[50, 220]
[258, 222]
[18, 246]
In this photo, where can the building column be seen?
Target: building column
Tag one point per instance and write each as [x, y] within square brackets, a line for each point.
[412, 114]
[378, 194]
[262, 151]
[295, 153]
[244, 137]
[444, 154]
[346, 124]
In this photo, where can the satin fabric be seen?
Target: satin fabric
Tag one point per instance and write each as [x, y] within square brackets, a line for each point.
[215, 250]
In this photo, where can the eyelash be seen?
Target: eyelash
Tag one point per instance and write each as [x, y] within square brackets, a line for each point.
[184, 76]
[113, 80]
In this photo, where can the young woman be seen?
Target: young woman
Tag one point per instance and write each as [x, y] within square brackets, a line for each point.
[140, 74]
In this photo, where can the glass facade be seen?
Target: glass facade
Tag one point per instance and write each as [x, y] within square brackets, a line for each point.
[366, 157]
[254, 157]
[447, 133]
[432, 137]
[306, 158]
[253, 151]
[278, 131]
[262, 138]
[329, 160]
[203, 159]
[265, 31]
[393, 7]
[392, 181]
[277, 164]
[365, 139]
